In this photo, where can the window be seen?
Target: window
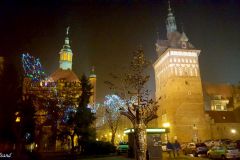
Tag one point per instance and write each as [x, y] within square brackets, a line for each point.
[69, 57]
[65, 56]
[218, 107]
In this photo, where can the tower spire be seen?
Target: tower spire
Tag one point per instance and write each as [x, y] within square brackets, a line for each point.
[66, 53]
[67, 30]
[169, 7]
[170, 21]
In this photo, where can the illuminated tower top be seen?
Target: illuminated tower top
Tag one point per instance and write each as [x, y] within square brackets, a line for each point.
[93, 82]
[170, 21]
[66, 54]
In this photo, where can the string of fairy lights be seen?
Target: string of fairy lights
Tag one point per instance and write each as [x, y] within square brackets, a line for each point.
[32, 67]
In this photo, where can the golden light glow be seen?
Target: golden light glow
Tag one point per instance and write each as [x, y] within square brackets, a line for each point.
[166, 125]
[233, 131]
[18, 119]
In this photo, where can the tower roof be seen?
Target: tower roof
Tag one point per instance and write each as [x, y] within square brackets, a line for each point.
[170, 21]
[66, 46]
[174, 39]
[66, 75]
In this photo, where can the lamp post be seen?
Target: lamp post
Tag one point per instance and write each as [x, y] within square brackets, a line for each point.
[195, 133]
[167, 126]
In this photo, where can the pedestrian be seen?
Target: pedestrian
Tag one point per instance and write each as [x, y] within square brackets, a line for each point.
[170, 150]
[176, 147]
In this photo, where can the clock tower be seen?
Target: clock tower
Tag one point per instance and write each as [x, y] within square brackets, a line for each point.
[178, 83]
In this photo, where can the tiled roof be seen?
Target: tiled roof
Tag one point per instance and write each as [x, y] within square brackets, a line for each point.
[225, 90]
[67, 75]
[174, 41]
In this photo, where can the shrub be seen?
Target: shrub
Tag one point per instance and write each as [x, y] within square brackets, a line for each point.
[98, 148]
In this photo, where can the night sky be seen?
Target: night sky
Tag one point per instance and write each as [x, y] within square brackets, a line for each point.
[104, 33]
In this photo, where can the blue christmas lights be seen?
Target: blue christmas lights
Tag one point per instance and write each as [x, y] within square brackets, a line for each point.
[32, 67]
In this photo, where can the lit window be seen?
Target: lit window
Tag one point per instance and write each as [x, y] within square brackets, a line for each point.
[69, 57]
[65, 56]
[218, 107]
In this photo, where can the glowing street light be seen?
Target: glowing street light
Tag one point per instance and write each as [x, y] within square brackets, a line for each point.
[18, 118]
[166, 125]
[233, 131]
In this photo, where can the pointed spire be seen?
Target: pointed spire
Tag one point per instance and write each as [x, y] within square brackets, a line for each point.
[169, 7]
[67, 39]
[170, 21]
[67, 30]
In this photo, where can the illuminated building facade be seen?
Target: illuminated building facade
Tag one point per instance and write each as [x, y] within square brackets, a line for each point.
[191, 110]
[179, 85]
[60, 92]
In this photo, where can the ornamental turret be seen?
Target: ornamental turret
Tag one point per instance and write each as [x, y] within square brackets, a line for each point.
[66, 54]
[170, 21]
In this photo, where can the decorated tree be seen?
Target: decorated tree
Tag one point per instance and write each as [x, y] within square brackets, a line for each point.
[32, 67]
[143, 109]
[112, 105]
[81, 121]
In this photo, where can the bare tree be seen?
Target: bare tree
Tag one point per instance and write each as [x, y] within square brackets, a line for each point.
[143, 109]
[112, 105]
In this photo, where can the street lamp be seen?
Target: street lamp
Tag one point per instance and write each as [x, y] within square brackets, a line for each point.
[195, 133]
[233, 131]
[166, 125]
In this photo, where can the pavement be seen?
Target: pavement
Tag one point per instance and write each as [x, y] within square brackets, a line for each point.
[165, 157]
[69, 156]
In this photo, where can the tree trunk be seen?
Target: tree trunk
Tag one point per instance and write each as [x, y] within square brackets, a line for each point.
[113, 138]
[140, 141]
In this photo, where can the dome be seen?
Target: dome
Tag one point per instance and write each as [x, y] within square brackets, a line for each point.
[67, 75]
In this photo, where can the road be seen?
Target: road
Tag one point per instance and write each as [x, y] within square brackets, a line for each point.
[165, 157]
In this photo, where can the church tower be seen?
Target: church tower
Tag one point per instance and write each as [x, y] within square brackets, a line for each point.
[178, 83]
[93, 82]
[65, 62]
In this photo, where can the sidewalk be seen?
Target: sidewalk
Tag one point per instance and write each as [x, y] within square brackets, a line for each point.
[181, 157]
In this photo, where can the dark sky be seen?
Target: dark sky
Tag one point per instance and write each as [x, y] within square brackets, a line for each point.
[104, 33]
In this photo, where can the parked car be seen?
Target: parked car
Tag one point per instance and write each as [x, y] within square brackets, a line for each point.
[164, 146]
[209, 143]
[223, 152]
[201, 149]
[195, 149]
[189, 148]
[122, 147]
[237, 144]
